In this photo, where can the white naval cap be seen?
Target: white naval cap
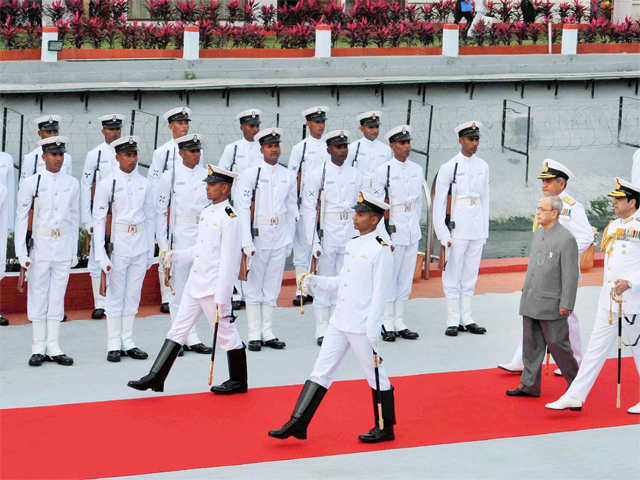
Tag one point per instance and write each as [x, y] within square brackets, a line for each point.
[48, 122]
[468, 129]
[53, 144]
[399, 134]
[178, 113]
[316, 114]
[268, 135]
[625, 188]
[216, 174]
[191, 141]
[337, 137]
[128, 143]
[111, 120]
[251, 116]
[370, 118]
[368, 203]
[554, 169]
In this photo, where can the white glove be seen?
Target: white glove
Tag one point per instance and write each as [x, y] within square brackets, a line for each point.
[317, 250]
[74, 262]
[306, 282]
[167, 256]
[88, 227]
[249, 251]
[106, 266]
[224, 310]
[25, 262]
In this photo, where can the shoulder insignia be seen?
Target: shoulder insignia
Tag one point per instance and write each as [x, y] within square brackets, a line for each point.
[230, 212]
[568, 200]
[381, 241]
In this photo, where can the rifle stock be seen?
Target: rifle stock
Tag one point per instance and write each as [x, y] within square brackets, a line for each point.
[244, 271]
[22, 278]
[108, 244]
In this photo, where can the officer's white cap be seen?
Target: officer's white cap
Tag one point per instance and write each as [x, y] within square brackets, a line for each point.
[470, 125]
[624, 188]
[252, 112]
[111, 117]
[319, 110]
[191, 141]
[551, 167]
[126, 140]
[401, 132]
[48, 119]
[215, 173]
[337, 137]
[368, 200]
[276, 133]
[183, 112]
[58, 140]
[369, 114]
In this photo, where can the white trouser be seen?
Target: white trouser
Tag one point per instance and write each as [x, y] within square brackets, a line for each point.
[45, 338]
[191, 309]
[404, 267]
[334, 346]
[393, 319]
[123, 299]
[46, 286]
[574, 339]
[301, 249]
[94, 272]
[165, 292]
[265, 276]
[321, 315]
[179, 275]
[463, 262]
[329, 265]
[260, 322]
[603, 337]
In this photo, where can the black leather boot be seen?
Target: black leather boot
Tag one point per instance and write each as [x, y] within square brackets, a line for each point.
[376, 435]
[308, 403]
[160, 369]
[237, 382]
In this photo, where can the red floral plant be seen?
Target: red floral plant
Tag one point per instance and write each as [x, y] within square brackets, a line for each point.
[297, 36]
[267, 15]
[234, 11]
[334, 12]
[75, 6]
[159, 9]
[9, 33]
[221, 35]
[427, 32]
[186, 11]
[563, 10]
[55, 11]
[209, 10]
[579, 11]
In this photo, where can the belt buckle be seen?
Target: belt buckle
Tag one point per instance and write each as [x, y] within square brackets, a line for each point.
[132, 229]
[407, 207]
[198, 218]
[344, 215]
[274, 221]
[55, 233]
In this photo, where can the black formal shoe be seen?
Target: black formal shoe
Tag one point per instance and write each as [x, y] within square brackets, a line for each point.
[137, 354]
[274, 343]
[123, 353]
[164, 308]
[181, 351]
[319, 341]
[98, 313]
[36, 359]
[308, 402]
[198, 348]
[3, 321]
[408, 334]
[376, 435]
[520, 392]
[64, 319]
[388, 336]
[61, 359]
[237, 383]
[305, 299]
[160, 369]
[238, 304]
[255, 345]
[477, 329]
[451, 332]
[462, 328]
[113, 356]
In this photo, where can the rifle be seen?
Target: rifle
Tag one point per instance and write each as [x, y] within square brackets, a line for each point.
[170, 225]
[233, 161]
[319, 218]
[29, 236]
[87, 239]
[244, 271]
[166, 160]
[299, 175]
[108, 244]
[390, 228]
[448, 219]
[355, 158]
[35, 165]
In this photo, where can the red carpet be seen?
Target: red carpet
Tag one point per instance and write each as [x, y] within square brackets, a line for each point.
[155, 434]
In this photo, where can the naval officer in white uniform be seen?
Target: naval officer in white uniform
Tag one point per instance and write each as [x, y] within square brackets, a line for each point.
[32, 162]
[7, 213]
[368, 153]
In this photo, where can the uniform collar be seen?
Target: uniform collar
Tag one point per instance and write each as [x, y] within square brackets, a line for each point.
[244, 140]
[218, 206]
[264, 164]
[126, 175]
[366, 140]
[51, 174]
[398, 162]
[311, 139]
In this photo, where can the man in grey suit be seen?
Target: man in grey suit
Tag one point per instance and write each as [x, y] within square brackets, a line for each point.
[548, 297]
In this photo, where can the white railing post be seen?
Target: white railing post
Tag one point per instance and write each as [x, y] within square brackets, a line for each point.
[569, 39]
[450, 40]
[191, 42]
[323, 41]
[48, 34]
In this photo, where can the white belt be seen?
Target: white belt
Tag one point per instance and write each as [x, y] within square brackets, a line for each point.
[469, 201]
[261, 220]
[405, 207]
[129, 228]
[51, 232]
[187, 219]
[340, 216]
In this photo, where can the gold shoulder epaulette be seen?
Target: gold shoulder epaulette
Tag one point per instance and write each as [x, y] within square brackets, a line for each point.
[230, 212]
[381, 241]
[568, 200]
[606, 238]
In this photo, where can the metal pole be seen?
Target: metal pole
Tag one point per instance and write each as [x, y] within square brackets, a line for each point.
[133, 122]
[620, 102]
[526, 174]
[21, 138]
[504, 120]
[409, 112]
[426, 167]
[4, 129]
[155, 137]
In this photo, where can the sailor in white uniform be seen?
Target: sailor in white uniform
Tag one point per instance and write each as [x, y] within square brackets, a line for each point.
[32, 162]
[130, 197]
[400, 182]
[99, 163]
[56, 222]
[4, 232]
[164, 158]
[467, 230]
[267, 236]
[621, 244]
[327, 209]
[368, 153]
[7, 180]
[215, 261]
[306, 156]
[635, 169]
[360, 288]
[573, 217]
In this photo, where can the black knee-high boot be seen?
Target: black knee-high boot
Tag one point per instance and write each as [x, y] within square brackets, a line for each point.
[307, 404]
[376, 435]
[237, 382]
[160, 369]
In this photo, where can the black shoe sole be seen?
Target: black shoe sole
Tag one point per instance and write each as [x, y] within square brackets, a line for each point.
[285, 436]
[383, 439]
[230, 392]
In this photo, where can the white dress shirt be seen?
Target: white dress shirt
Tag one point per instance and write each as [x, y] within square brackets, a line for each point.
[160, 162]
[574, 218]
[29, 159]
[247, 154]
[91, 169]
[315, 154]
[371, 154]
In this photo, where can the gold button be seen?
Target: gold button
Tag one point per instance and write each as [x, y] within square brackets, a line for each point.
[342, 299]
[345, 284]
[195, 270]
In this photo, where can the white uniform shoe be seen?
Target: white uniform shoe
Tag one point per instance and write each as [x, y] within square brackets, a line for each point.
[511, 368]
[635, 409]
[564, 403]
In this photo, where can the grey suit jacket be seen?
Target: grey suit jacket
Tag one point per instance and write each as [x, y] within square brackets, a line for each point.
[552, 275]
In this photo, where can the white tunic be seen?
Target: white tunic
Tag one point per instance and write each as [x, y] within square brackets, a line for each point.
[7, 178]
[574, 218]
[56, 218]
[621, 244]
[471, 209]
[361, 285]
[91, 169]
[276, 208]
[341, 188]
[371, 154]
[635, 169]
[160, 162]
[133, 224]
[240, 155]
[29, 159]
[405, 198]
[190, 198]
[4, 229]
[315, 154]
